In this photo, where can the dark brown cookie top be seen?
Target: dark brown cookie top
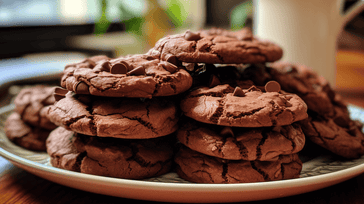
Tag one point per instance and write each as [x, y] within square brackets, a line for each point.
[115, 117]
[216, 46]
[121, 158]
[129, 76]
[243, 106]
[235, 143]
[297, 79]
[30, 103]
[338, 134]
[199, 168]
[24, 135]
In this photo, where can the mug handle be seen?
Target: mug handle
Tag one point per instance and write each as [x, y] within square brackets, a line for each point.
[351, 12]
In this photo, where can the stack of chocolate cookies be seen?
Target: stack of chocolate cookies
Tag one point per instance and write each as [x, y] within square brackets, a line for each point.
[28, 125]
[116, 116]
[329, 124]
[233, 131]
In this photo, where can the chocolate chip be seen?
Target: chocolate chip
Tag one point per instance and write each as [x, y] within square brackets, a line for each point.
[137, 71]
[172, 59]
[272, 86]
[190, 36]
[60, 91]
[227, 131]
[169, 66]
[238, 92]
[81, 88]
[120, 68]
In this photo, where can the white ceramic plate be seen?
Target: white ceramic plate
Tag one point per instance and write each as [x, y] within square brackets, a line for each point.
[318, 172]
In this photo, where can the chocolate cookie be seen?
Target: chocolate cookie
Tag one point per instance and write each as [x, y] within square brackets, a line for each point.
[243, 106]
[213, 47]
[61, 150]
[297, 79]
[338, 134]
[24, 135]
[30, 103]
[303, 81]
[196, 167]
[130, 76]
[115, 117]
[235, 143]
[120, 158]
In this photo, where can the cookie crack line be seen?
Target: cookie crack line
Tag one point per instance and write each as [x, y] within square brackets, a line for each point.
[243, 114]
[225, 168]
[142, 122]
[261, 172]
[261, 143]
[218, 112]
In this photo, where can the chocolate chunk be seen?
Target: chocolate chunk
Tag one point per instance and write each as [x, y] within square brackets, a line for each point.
[190, 36]
[121, 68]
[81, 88]
[172, 59]
[238, 92]
[272, 86]
[60, 91]
[137, 71]
[169, 66]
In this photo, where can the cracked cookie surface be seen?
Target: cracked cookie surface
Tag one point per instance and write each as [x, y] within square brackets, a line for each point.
[25, 135]
[303, 81]
[129, 76]
[338, 134]
[199, 168]
[120, 158]
[217, 46]
[31, 104]
[241, 143]
[251, 108]
[115, 117]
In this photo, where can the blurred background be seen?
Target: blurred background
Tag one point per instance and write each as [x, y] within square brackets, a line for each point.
[49, 34]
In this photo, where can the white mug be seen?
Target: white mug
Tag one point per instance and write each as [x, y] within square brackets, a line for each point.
[307, 30]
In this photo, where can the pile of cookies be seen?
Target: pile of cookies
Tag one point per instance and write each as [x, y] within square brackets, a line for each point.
[28, 125]
[214, 106]
[329, 124]
[117, 117]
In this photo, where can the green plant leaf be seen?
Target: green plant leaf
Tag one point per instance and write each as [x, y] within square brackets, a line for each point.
[239, 15]
[176, 13]
[134, 25]
[103, 23]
